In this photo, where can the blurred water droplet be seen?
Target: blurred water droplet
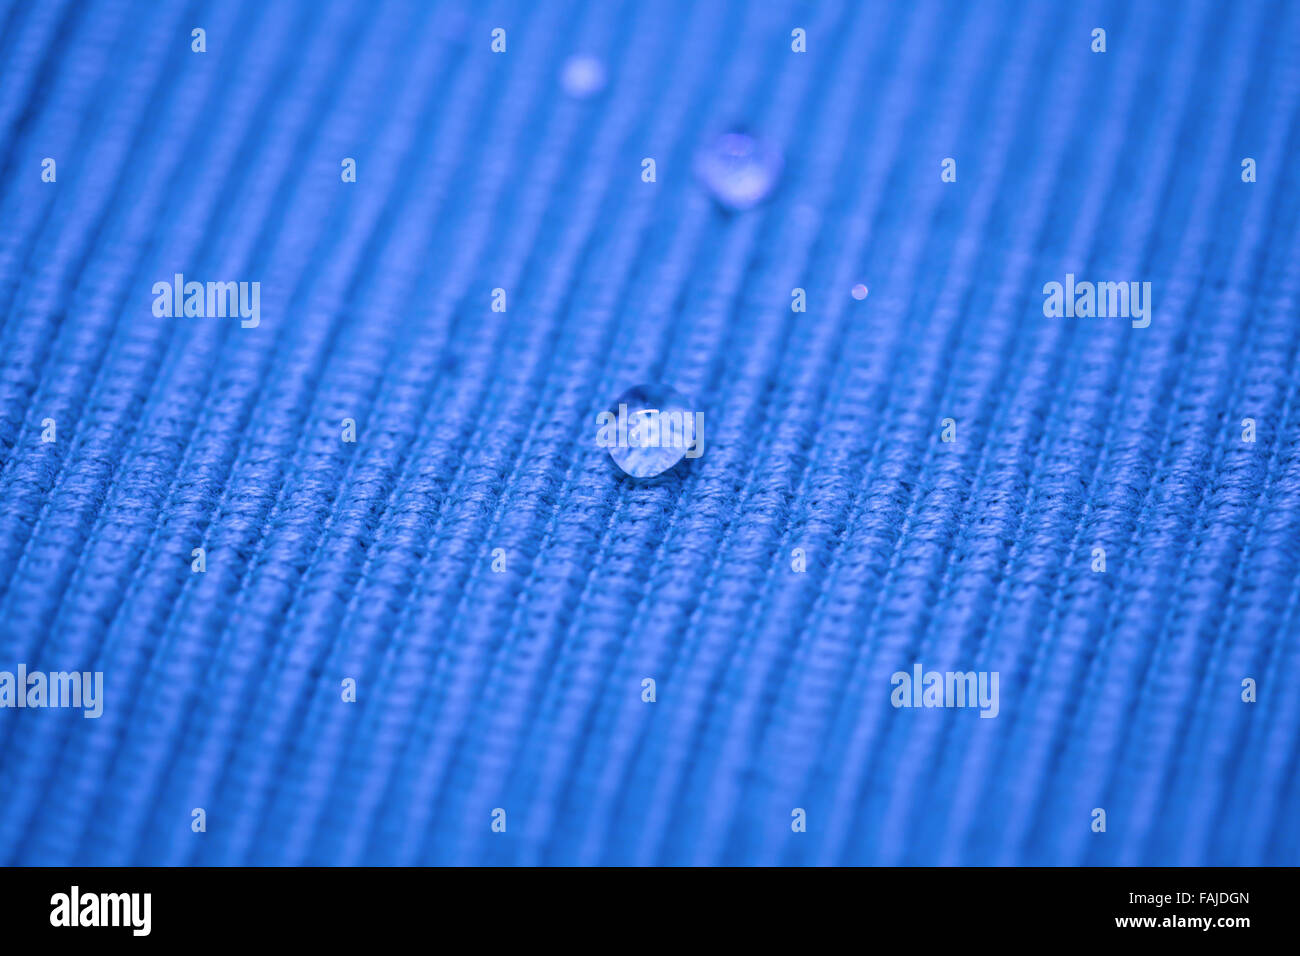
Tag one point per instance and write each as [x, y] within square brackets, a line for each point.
[739, 170]
[859, 292]
[582, 76]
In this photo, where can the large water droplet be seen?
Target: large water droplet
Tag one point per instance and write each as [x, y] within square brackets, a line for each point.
[582, 76]
[649, 429]
[739, 170]
[859, 291]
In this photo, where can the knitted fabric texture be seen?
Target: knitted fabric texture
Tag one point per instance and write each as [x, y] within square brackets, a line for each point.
[431, 644]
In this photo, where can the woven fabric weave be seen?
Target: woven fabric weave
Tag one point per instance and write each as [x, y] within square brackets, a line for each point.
[497, 591]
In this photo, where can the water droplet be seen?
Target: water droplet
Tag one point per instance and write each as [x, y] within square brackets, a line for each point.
[738, 169]
[649, 429]
[859, 292]
[582, 76]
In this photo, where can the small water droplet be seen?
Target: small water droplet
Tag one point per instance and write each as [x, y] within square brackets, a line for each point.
[739, 170]
[649, 429]
[582, 76]
[859, 292]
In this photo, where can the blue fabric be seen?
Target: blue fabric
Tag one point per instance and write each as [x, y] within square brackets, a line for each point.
[521, 689]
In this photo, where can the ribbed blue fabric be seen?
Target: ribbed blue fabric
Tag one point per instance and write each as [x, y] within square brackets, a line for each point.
[521, 689]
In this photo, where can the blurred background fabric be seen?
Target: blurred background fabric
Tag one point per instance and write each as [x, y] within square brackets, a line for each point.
[521, 689]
